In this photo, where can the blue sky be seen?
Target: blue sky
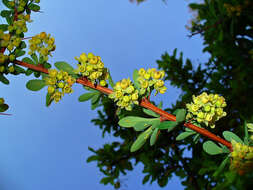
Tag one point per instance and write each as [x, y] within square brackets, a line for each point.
[46, 148]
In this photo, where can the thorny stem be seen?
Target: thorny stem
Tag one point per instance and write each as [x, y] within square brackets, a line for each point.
[144, 103]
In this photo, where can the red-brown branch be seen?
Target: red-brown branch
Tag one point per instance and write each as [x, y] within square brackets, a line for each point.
[144, 103]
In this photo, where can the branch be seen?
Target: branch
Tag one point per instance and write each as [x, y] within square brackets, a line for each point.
[144, 103]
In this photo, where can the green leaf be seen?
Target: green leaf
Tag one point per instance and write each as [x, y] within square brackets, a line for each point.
[170, 125]
[151, 113]
[47, 65]
[6, 3]
[35, 84]
[111, 81]
[95, 98]
[92, 158]
[180, 115]
[61, 65]
[95, 101]
[4, 80]
[155, 123]
[135, 77]
[139, 126]
[228, 135]
[221, 167]
[34, 7]
[196, 138]
[5, 13]
[86, 96]
[28, 60]
[184, 135]
[28, 72]
[145, 179]
[19, 53]
[130, 121]
[250, 127]
[9, 20]
[246, 134]
[19, 70]
[154, 136]
[22, 45]
[3, 107]
[35, 58]
[106, 180]
[141, 139]
[49, 100]
[36, 74]
[211, 148]
[4, 27]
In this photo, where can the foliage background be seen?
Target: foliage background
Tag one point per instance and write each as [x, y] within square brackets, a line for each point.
[46, 148]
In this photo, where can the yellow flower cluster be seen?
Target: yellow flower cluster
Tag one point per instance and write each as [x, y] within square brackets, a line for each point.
[151, 79]
[237, 9]
[21, 4]
[42, 43]
[125, 94]
[206, 108]
[93, 68]
[19, 26]
[59, 80]
[241, 158]
[233, 9]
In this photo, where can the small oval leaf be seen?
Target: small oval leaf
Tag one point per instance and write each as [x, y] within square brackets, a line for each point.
[85, 97]
[184, 135]
[211, 148]
[61, 65]
[228, 135]
[35, 84]
[154, 136]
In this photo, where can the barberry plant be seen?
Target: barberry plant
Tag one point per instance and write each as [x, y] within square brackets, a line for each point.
[128, 95]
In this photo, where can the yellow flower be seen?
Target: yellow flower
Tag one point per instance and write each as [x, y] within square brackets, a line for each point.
[90, 55]
[160, 83]
[126, 98]
[130, 89]
[102, 82]
[163, 90]
[11, 69]
[118, 94]
[134, 96]
[81, 68]
[1, 69]
[59, 76]
[57, 96]
[60, 84]
[141, 72]
[67, 89]
[208, 117]
[147, 76]
[42, 35]
[201, 115]
[50, 89]
[52, 73]
[124, 83]
[83, 57]
[70, 80]
[50, 81]
[89, 68]
[144, 84]
[157, 75]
